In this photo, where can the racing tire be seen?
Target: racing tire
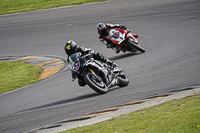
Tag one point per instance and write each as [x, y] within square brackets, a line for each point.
[136, 46]
[123, 79]
[97, 86]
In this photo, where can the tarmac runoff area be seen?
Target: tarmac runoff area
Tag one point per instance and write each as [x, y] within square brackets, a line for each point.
[53, 65]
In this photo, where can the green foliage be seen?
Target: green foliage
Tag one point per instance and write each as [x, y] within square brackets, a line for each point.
[17, 74]
[176, 116]
[15, 6]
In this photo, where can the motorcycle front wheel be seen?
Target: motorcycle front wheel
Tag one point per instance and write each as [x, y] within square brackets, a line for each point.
[123, 79]
[135, 46]
[97, 85]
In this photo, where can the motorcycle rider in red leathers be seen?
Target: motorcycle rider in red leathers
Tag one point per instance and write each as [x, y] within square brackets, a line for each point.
[103, 31]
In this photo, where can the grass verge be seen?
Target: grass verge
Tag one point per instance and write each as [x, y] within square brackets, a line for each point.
[17, 74]
[16, 6]
[176, 116]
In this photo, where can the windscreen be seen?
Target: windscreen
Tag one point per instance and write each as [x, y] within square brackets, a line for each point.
[74, 63]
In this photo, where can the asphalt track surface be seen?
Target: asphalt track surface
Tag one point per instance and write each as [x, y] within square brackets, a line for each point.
[168, 30]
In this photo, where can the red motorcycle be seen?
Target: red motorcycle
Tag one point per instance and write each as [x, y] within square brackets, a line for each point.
[124, 40]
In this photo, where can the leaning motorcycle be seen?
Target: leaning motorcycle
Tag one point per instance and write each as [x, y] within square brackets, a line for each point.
[97, 75]
[125, 40]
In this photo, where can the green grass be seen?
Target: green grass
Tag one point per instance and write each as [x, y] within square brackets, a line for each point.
[176, 116]
[16, 74]
[16, 6]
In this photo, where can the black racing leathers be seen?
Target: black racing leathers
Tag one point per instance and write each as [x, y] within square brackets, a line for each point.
[97, 56]
[89, 51]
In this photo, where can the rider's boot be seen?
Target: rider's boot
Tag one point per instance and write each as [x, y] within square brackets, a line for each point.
[117, 49]
[81, 83]
[109, 62]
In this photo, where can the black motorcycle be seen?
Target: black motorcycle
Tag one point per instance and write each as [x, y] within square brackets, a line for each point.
[96, 74]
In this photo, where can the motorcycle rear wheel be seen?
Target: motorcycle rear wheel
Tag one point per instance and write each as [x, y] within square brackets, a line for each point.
[97, 86]
[123, 79]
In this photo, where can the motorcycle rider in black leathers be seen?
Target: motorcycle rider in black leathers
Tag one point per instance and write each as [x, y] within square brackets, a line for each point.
[71, 48]
[103, 31]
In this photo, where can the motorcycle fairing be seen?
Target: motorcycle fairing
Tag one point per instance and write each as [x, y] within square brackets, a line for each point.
[117, 36]
[108, 76]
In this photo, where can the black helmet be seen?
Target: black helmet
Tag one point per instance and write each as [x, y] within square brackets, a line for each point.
[70, 47]
[102, 28]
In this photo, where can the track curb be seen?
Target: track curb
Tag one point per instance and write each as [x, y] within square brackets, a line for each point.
[50, 65]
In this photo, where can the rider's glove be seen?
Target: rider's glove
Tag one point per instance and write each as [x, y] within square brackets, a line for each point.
[109, 62]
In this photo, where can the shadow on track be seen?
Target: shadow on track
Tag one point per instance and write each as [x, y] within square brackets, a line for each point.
[115, 88]
[123, 56]
[63, 102]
